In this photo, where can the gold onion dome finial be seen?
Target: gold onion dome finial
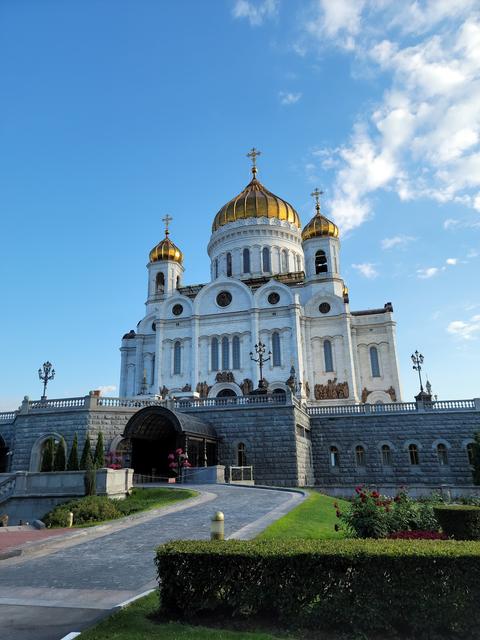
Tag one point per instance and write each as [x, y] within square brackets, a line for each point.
[255, 201]
[166, 250]
[319, 225]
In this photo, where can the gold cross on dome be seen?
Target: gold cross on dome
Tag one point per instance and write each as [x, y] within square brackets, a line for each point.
[252, 154]
[167, 219]
[316, 194]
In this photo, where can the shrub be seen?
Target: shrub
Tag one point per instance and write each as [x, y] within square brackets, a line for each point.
[73, 464]
[85, 510]
[418, 535]
[60, 460]
[382, 587]
[90, 477]
[461, 522]
[87, 451]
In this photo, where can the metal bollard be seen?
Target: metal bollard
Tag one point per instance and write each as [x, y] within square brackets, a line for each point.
[217, 531]
[70, 519]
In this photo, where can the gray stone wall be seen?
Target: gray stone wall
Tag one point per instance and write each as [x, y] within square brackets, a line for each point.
[303, 442]
[268, 434]
[454, 429]
[6, 432]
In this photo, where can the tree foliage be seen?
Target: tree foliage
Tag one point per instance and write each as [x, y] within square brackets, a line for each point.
[99, 457]
[73, 464]
[87, 452]
[48, 455]
[60, 461]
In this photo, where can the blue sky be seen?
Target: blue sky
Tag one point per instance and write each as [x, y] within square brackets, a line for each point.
[116, 112]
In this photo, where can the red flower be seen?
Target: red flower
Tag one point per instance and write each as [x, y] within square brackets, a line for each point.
[375, 494]
[358, 489]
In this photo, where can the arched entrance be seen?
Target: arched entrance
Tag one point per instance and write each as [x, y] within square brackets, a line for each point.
[155, 432]
[3, 456]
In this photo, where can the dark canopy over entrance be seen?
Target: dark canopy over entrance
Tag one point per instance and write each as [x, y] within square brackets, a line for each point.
[155, 432]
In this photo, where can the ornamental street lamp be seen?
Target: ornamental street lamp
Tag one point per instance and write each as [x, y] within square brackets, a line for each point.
[45, 374]
[417, 360]
[260, 351]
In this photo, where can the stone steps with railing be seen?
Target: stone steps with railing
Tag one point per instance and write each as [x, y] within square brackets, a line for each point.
[7, 488]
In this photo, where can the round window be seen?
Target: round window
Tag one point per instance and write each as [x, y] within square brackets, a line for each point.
[224, 298]
[273, 298]
[324, 307]
[177, 309]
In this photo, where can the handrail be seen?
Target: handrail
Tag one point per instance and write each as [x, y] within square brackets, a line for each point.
[393, 407]
[7, 488]
[8, 415]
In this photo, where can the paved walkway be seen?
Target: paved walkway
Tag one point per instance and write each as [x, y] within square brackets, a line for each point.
[17, 537]
[46, 595]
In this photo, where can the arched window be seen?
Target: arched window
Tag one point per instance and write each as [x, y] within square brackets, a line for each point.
[178, 282]
[284, 259]
[374, 362]
[246, 261]
[413, 454]
[334, 457]
[442, 454]
[241, 455]
[236, 352]
[266, 260]
[360, 456]
[160, 282]
[321, 262]
[386, 456]
[229, 264]
[177, 358]
[214, 354]
[470, 453]
[225, 354]
[215, 268]
[328, 356]
[276, 350]
[226, 393]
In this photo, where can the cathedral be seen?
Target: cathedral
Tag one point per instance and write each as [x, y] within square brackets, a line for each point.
[275, 287]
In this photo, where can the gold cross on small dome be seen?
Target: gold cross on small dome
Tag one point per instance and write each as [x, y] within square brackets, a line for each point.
[316, 194]
[252, 154]
[167, 219]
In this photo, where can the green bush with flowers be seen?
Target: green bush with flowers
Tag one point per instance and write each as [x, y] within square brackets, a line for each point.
[372, 515]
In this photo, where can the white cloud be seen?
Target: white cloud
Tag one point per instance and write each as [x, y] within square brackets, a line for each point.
[450, 223]
[451, 261]
[422, 139]
[106, 389]
[396, 241]
[289, 98]
[255, 12]
[466, 330]
[429, 272]
[473, 253]
[367, 269]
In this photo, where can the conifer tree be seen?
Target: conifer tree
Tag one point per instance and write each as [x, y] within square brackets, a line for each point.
[73, 464]
[476, 458]
[87, 451]
[60, 460]
[90, 477]
[99, 457]
[48, 454]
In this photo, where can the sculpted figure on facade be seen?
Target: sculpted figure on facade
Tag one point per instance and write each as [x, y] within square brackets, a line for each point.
[246, 386]
[203, 389]
[333, 390]
[187, 387]
[224, 376]
[307, 389]
[391, 392]
[164, 391]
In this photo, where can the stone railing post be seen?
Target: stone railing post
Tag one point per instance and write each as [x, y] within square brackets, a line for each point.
[24, 407]
[420, 406]
[477, 404]
[91, 401]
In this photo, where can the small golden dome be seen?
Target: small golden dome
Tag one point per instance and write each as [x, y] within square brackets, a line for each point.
[255, 201]
[166, 250]
[319, 226]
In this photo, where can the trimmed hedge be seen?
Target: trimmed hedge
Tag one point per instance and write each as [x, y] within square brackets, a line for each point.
[410, 588]
[461, 522]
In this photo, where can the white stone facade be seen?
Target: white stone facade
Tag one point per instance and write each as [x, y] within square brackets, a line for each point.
[188, 343]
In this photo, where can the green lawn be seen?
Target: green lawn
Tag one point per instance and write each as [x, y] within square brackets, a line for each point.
[313, 519]
[133, 623]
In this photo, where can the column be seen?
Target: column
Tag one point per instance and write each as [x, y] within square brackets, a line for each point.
[297, 351]
[194, 350]
[157, 381]
[123, 373]
[138, 364]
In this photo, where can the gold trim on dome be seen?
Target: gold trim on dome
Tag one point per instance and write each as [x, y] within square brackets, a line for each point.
[255, 201]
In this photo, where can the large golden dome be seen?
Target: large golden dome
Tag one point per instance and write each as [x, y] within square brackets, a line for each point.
[255, 201]
[319, 226]
[166, 250]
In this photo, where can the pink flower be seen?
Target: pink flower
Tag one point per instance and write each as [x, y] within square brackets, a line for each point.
[171, 456]
[179, 452]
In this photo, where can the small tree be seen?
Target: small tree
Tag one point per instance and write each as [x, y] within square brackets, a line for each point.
[73, 464]
[87, 451]
[48, 455]
[99, 457]
[60, 460]
[476, 458]
[90, 477]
